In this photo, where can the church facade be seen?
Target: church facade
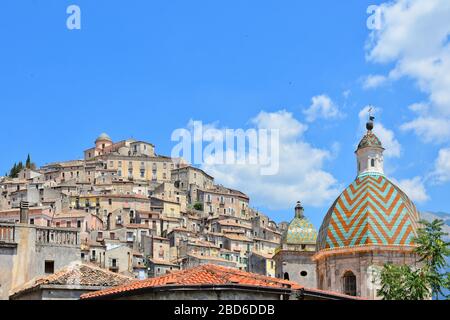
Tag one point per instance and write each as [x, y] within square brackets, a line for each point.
[370, 224]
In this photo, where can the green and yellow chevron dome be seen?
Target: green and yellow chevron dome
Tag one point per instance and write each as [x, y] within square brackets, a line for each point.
[371, 211]
[300, 231]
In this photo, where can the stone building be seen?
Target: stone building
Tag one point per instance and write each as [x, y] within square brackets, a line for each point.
[213, 282]
[28, 251]
[69, 283]
[293, 260]
[373, 222]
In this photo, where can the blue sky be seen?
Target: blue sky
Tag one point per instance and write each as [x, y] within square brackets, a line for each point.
[144, 68]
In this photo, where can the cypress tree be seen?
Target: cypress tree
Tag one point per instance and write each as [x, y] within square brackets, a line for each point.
[28, 163]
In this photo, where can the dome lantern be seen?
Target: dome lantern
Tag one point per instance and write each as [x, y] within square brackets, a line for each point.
[299, 210]
[369, 154]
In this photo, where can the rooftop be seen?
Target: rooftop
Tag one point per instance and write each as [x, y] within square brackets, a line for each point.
[78, 274]
[203, 275]
[214, 276]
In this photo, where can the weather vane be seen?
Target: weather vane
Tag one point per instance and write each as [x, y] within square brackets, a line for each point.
[369, 124]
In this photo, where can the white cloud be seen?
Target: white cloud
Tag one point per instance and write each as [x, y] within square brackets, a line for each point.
[373, 81]
[441, 172]
[429, 129]
[301, 174]
[414, 188]
[321, 107]
[415, 37]
[387, 137]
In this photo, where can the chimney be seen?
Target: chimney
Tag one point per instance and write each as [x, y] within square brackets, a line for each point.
[24, 205]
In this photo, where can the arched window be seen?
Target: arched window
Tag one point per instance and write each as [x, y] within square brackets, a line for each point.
[286, 276]
[349, 283]
[372, 162]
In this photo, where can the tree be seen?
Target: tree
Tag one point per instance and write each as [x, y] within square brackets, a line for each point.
[28, 162]
[403, 283]
[406, 283]
[433, 251]
[13, 173]
[198, 206]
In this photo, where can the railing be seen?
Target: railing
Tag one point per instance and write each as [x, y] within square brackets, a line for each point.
[7, 233]
[52, 236]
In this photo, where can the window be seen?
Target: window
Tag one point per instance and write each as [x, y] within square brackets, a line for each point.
[110, 201]
[49, 266]
[79, 224]
[286, 276]
[303, 273]
[112, 235]
[69, 224]
[372, 162]
[31, 221]
[349, 283]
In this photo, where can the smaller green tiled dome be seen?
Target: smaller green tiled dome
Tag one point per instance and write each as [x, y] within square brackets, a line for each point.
[300, 230]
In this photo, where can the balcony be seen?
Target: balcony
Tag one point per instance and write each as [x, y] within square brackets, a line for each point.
[57, 236]
[114, 269]
[7, 237]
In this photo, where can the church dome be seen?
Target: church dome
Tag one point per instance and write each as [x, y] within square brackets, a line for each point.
[371, 211]
[300, 230]
[370, 140]
[103, 137]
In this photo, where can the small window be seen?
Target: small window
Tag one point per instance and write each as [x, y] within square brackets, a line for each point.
[31, 221]
[303, 273]
[49, 266]
[286, 276]
[79, 224]
[372, 162]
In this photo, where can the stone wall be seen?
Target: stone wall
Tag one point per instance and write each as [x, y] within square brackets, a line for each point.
[24, 258]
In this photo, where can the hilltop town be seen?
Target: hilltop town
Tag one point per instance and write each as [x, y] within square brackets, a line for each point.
[131, 211]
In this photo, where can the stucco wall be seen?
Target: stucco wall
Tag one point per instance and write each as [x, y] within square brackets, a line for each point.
[365, 266]
[294, 263]
[206, 294]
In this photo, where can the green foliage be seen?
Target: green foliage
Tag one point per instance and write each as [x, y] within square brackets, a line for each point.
[406, 283]
[433, 250]
[17, 167]
[198, 206]
[403, 283]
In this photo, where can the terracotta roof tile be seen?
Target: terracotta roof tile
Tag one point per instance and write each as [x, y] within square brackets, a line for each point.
[78, 274]
[203, 275]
